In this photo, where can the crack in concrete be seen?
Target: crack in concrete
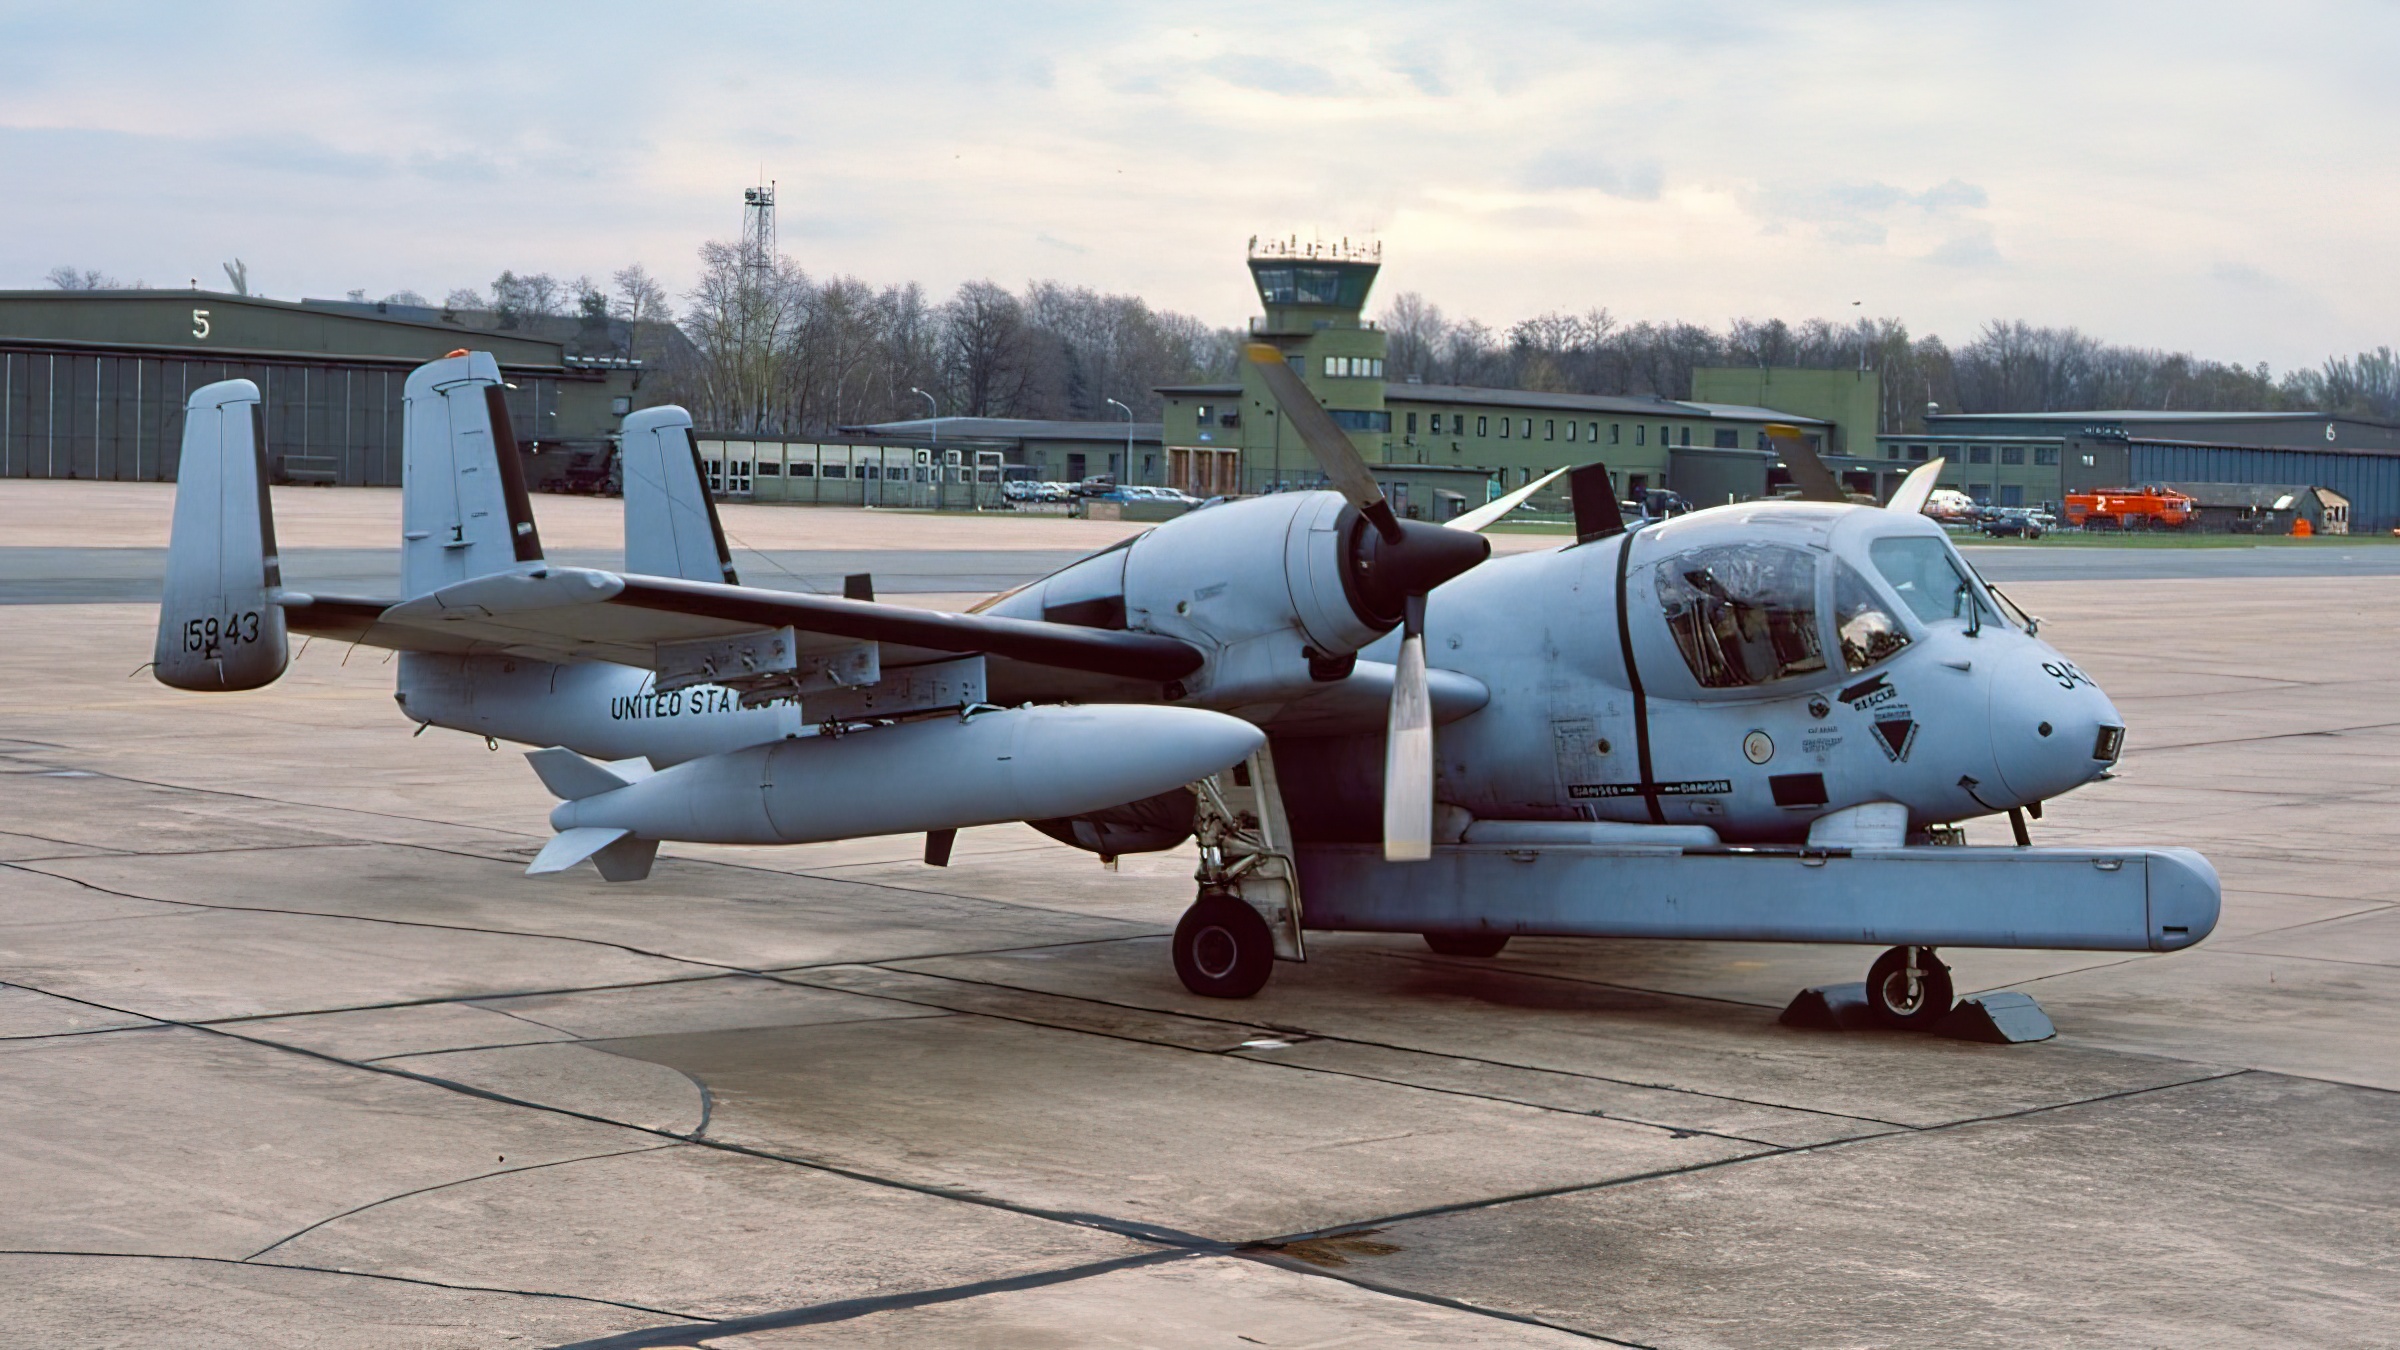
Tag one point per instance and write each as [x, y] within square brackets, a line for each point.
[352, 1274]
[446, 1185]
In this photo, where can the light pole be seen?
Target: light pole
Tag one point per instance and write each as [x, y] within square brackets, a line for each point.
[1128, 435]
[932, 453]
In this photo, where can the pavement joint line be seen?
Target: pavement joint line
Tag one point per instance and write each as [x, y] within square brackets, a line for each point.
[468, 1049]
[301, 806]
[1441, 1054]
[2301, 956]
[2273, 736]
[297, 1234]
[352, 1274]
[1235, 1052]
[1715, 1164]
[1131, 1229]
[103, 851]
[843, 1310]
[377, 918]
[1266, 1256]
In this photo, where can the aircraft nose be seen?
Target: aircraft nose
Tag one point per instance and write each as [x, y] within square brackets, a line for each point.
[2052, 728]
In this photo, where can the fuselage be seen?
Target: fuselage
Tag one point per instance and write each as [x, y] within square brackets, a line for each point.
[1750, 668]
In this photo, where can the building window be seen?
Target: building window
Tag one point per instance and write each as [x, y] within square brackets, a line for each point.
[1528, 429]
[1889, 451]
[1570, 432]
[1641, 435]
[1336, 366]
[1352, 419]
[1503, 427]
[1728, 439]
[1687, 436]
[2011, 495]
[1412, 424]
[1433, 423]
[1917, 452]
[1482, 425]
[1202, 415]
[1591, 432]
[1375, 368]
[1981, 493]
[1663, 438]
[2012, 454]
[1616, 433]
[1549, 428]
[1979, 454]
[2046, 456]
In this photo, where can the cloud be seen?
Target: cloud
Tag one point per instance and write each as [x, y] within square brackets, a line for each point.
[1577, 168]
[1275, 75]
[1864, 214]
[1974, 248]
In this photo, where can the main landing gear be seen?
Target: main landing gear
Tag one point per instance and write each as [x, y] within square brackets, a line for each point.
[1908, 989]
[1223, 949]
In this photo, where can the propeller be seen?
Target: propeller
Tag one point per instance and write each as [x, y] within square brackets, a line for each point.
[1816, 482]
[1394, 567]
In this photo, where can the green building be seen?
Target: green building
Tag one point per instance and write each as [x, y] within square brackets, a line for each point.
[1441, 449]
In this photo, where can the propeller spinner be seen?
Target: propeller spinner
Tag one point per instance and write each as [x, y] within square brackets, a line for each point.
[1394, 565]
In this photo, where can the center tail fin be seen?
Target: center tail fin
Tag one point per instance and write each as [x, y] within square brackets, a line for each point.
[671, 525]
[464, 510]
[219, 626]
[570, 777]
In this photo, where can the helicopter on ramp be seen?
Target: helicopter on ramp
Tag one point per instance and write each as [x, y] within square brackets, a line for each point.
[1756, 722]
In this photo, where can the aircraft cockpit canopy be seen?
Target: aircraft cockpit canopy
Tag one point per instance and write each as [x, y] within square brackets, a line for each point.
[1743, 614]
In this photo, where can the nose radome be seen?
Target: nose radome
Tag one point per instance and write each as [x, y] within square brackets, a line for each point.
[2052, 728]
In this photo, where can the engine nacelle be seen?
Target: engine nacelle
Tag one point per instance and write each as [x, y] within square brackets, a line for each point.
[1280, 591]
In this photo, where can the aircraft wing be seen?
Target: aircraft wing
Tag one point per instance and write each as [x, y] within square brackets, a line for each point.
[579, 614]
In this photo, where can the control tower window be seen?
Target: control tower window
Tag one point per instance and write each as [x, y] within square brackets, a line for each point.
[1317, 286]
[1870, 632]
[1743, 614]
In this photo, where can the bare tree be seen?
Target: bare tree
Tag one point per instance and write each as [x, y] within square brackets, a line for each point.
[70, 279]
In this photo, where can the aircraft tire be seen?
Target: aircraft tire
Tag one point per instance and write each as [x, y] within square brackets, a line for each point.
[1223, 949]
[1887, 992]
[1466, 944]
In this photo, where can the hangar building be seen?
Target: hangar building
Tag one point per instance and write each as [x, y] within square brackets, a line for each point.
[2032, 459]
[92, 384]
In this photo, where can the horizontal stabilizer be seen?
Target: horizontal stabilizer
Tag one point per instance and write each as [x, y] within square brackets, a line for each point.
[571, 778]
[569, 847]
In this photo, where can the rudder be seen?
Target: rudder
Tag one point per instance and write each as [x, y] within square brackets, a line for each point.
[671, 525]
[219, 627]
[464, 511]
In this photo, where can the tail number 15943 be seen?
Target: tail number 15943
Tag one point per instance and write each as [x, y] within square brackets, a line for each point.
[204, 635]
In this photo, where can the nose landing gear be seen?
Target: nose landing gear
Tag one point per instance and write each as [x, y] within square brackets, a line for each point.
[1908, 989]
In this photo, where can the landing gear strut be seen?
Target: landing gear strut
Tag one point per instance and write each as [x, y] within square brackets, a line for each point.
[1248, 915]
[1908, 989]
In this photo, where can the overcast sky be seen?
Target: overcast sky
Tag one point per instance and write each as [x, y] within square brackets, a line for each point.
[2200, 176]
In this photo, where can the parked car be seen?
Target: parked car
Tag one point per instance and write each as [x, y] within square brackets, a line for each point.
[2011, 522]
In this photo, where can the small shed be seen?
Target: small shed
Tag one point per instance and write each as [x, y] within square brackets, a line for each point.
[2266, 508]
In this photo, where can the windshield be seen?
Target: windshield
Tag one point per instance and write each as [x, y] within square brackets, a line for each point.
[1869, 631]
[1928, 577]
[1743, 614]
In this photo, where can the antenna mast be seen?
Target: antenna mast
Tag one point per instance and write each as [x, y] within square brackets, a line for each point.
[758, 230]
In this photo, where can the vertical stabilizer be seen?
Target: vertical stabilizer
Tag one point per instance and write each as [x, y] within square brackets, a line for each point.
[464, 510]
[671, 526]
[218, 625]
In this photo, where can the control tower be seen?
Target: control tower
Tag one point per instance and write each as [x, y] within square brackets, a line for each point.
[1314, 294]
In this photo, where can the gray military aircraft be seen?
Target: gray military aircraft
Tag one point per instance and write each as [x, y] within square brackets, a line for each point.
[1756, 722]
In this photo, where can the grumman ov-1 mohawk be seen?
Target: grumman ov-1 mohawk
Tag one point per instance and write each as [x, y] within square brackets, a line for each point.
[1757, 722]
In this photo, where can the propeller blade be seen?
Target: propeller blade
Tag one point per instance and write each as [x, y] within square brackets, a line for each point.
[1325, 439]
[1816, 482]
[1408, 753]
[1913, 490]
[1489, 514]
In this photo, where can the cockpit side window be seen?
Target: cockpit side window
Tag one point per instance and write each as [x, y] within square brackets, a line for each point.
[1929, 581]
[1870, 633]
[1743, 614]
